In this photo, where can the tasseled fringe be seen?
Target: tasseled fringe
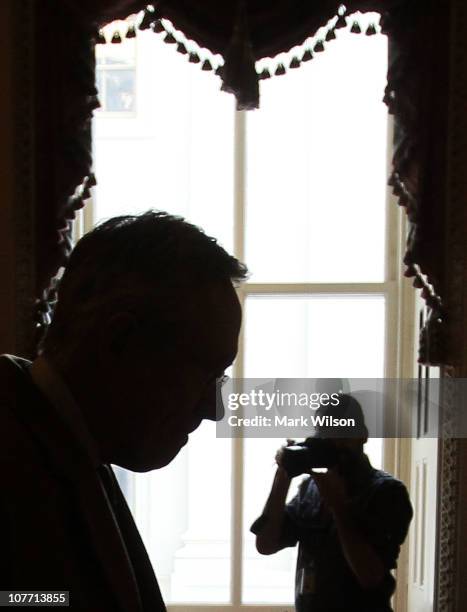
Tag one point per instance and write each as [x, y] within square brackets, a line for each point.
[131, 32]
[194, 58]
[169, 38]
[149, 17]
[116, 38]
[264, 74]
[239, 75]
[280, 70]
[101, 40]
[181, 48]
[157, 27]
[295, 63]
[153, 20]
[319, 44]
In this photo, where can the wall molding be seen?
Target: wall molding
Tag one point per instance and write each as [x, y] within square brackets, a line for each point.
[451, 588]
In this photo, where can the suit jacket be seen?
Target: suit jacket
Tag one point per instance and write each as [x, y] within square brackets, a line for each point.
[62, 527]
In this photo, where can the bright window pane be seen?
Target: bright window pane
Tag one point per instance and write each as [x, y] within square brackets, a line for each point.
[266, 579]
[320, 336]
[120, 86]
[183, 513]
[316, 168]
[176, 152]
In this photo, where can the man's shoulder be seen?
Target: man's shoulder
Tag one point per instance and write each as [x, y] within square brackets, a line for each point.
[7, 361]
[388, 495]
[13, 373]
[16, 390]
[15, 384]
[381, 480]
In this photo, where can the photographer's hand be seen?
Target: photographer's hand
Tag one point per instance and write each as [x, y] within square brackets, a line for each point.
[332, 489]
[280, 453]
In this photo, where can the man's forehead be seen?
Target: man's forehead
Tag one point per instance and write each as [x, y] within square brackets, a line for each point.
[216, 324]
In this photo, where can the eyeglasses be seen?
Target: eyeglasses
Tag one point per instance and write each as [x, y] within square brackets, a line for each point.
[222, 380]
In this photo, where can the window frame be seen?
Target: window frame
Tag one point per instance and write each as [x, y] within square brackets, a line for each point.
[398, 359]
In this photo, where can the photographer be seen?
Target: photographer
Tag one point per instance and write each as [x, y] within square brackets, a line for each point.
[349, 522]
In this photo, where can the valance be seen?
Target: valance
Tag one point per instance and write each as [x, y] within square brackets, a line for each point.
[274, 25]
[241, 32]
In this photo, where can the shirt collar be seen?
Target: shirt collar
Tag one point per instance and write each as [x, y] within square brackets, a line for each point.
[51, 384]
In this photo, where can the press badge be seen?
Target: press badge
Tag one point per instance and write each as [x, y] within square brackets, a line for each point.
[307, 579]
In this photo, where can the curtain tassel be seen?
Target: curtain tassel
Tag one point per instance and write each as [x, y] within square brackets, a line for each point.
[193, 58]
[239, 75]
[264, 74]
[157, 26]
[170, 39]
[295, 63]
[131, 32]
[100, 40]
[319, 47]
[148, 19]
[280, 70]
[181, 48]
[206, 66]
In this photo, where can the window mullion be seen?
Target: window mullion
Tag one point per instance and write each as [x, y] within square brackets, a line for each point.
[237, 443]
[239, 183]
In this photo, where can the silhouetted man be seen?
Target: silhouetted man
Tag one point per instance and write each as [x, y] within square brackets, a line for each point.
[349, 523]
[147, 319]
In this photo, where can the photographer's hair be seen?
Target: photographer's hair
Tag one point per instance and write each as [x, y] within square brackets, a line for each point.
[347, 408]
[148, 264]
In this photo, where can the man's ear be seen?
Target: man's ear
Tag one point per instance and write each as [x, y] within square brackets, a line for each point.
[117, 335]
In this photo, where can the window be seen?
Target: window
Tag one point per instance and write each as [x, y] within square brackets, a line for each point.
[298, 191]
[116, 77]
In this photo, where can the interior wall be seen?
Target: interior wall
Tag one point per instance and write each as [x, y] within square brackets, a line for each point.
[17, 333]
[7, 240]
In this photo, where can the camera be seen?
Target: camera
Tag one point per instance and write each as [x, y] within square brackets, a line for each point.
[300, 458]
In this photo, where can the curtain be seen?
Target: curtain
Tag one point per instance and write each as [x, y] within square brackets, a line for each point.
[241, 32]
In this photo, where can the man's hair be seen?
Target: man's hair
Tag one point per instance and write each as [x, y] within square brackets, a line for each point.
[147, 264]
[347, 408]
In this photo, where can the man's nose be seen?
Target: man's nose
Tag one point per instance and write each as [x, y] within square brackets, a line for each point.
[212, 404]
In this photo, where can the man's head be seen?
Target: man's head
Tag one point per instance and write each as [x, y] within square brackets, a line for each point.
[147, 319]
[350, 436]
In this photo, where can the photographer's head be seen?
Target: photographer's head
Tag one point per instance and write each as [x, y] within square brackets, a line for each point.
[348, 433]
[147, 318]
